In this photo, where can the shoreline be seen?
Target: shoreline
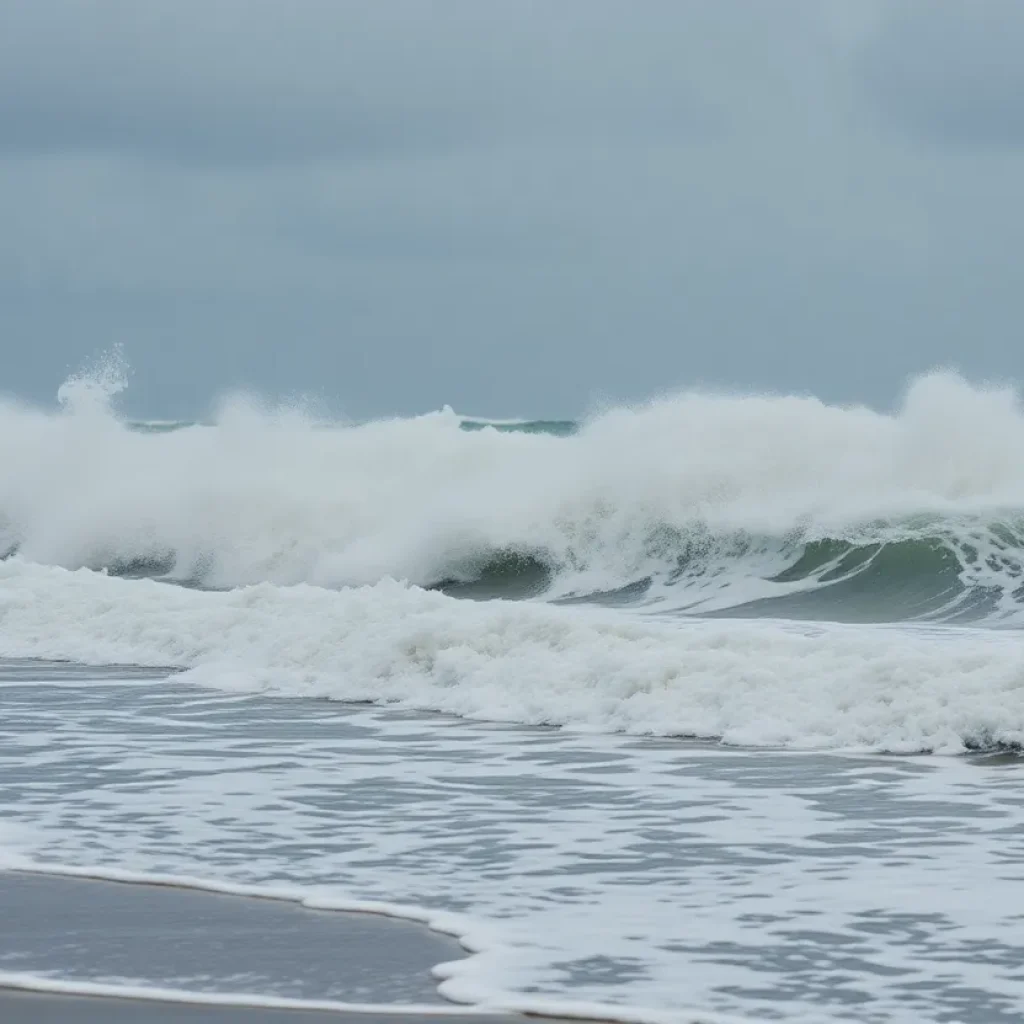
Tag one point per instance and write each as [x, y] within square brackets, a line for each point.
[209, 955]
[29, 1006]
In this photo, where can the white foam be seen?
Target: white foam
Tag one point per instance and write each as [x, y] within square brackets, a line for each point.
[747, 682]
[146, 993]
[278, 496]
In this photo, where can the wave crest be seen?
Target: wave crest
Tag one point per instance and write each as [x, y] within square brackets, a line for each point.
[699, 502]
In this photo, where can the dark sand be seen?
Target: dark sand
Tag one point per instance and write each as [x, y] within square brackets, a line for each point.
[184, 939]
[30, 1008]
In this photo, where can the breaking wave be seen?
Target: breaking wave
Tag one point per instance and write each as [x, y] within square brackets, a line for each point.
[740, 505]
[647, 561]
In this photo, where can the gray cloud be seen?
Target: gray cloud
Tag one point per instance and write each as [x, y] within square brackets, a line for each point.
[259, 81]
[951, 72]
[513, 206]
[177, 128]
[227, 82]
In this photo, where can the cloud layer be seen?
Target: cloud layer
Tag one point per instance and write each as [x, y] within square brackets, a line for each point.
[515, 206]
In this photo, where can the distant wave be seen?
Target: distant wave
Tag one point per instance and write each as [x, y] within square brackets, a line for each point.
[158, 426]
[558, 428]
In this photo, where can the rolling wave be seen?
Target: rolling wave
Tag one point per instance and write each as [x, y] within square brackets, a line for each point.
[695, 504]
[968, 574]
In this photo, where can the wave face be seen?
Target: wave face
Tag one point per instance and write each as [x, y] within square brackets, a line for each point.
[729, 505]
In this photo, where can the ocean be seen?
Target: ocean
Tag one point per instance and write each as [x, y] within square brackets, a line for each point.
[705, 709]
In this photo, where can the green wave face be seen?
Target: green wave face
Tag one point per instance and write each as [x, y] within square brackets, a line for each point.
[881, 582]
[960, 573]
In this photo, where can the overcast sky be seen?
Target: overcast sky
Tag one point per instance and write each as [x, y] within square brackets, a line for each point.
[516, 207]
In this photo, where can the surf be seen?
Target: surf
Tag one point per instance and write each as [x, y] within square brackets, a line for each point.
[696, 503]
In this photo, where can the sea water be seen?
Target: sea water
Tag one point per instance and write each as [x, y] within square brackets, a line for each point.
[649, 875]
[709, 707]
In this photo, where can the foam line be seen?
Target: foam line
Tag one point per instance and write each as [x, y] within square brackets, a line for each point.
[155, 994]
[746, 682]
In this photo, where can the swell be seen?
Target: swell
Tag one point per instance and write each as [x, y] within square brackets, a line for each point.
[937, 577]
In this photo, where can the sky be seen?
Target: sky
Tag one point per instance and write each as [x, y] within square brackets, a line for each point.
[515, 207]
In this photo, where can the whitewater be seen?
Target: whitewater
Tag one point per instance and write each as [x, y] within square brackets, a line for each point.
[709, 596]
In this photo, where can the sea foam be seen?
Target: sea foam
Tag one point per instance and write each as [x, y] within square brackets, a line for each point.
[747, 682]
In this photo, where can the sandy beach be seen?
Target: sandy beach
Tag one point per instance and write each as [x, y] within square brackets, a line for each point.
[84, 930]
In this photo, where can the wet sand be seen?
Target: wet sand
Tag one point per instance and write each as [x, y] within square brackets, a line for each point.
[164, 937]
[34, 1008]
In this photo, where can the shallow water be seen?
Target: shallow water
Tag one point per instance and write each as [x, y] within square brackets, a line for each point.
[201, 942]
[593, 868]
